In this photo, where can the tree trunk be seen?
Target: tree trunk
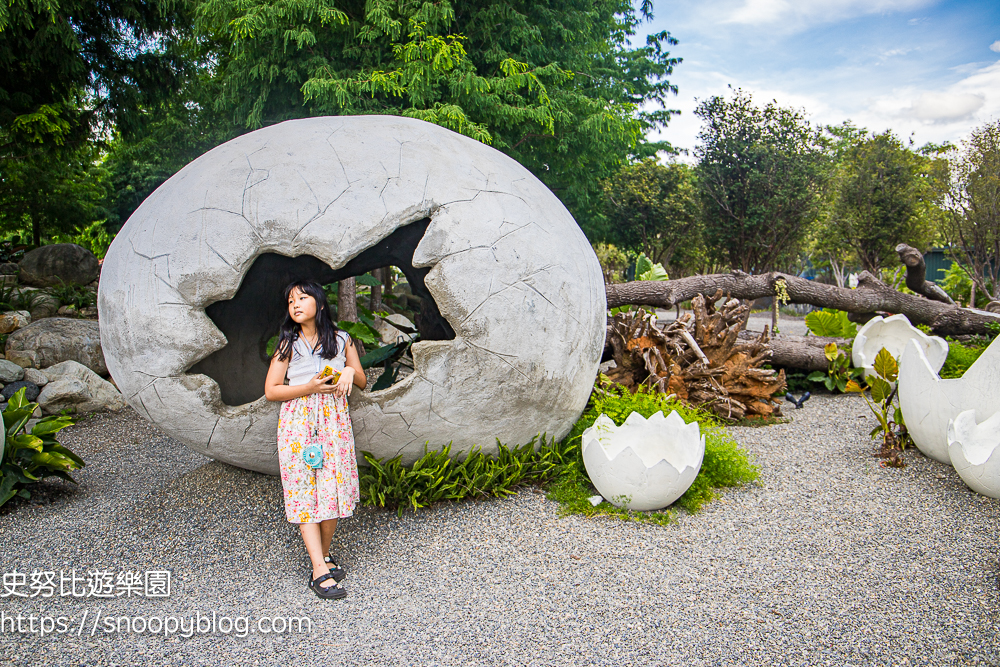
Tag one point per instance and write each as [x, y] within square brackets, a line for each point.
[375, 301]
[870, 296]
[916, 274]
[347, 303]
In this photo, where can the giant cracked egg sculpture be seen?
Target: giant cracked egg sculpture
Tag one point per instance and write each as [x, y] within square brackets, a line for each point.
[513, 308]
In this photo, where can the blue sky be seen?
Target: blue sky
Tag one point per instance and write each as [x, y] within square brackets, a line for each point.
[916, 67]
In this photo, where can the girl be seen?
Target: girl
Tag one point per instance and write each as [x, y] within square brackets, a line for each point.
[319, 471]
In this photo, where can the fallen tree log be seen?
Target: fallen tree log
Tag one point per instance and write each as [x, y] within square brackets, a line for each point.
[871, 295]
[799, 352]
[804, 353]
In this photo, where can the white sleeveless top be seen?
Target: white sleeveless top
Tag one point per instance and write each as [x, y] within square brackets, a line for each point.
[305, 363]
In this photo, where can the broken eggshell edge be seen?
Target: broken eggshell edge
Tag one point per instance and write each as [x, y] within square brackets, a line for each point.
[975, 452]
[625, 479]
[894, 333]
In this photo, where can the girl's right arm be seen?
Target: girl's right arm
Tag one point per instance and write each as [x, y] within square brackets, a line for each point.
[275, 388]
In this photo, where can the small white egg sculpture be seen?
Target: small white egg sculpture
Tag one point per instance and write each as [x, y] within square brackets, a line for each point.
[893, 333]
[644, 464]
[975, 452]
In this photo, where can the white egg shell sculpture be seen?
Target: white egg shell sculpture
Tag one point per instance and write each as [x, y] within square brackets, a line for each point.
[928, 402]
[644, 464]
[893, 333]
[975, 452]
[515, 288]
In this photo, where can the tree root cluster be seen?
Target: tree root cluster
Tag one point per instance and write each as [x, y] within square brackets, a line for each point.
[700, 358]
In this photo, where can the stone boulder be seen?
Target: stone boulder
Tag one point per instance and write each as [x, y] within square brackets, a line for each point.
[73, 385]
[62, 262]
[35, 376]
[14, 320]
[31, 390]
[58, 339]
[10, 371]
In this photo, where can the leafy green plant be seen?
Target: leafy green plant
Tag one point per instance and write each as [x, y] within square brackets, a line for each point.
[646, 270]
[832, 323]
[13, 297]
[891, 429]
[840, 373]
[27, 458]
[436, 476]
[69, 294]
[960, 357]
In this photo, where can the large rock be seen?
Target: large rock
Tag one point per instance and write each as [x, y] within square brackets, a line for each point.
[513, 307]
[58, 339]
[73, 385]
[51, 265]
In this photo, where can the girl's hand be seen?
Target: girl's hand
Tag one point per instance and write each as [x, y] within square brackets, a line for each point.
[320, 385]
[346, 381]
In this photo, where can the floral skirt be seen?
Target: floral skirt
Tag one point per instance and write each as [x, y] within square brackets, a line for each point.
[317, 494]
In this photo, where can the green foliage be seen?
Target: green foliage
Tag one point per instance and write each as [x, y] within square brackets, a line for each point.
[840, 373]
[885, 195]
[761, 172]
[890, 425]
[72, 71]
[960, 357]
[832, 323]
[613, 262]
[27, 458]
[973, 221]
[957, 283]
[78, 296]
[654, 209]
[436, 476]
[554, 84]
[646, 270]
[94, 237]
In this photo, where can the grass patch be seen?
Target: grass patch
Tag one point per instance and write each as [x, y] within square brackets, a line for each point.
[960, 357]
[555, 466]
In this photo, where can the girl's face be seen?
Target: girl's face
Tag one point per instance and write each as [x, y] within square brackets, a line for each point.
[301, 306]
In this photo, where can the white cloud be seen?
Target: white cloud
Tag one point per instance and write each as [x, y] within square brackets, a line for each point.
[995, 46]
[798, 14]
[945, 107]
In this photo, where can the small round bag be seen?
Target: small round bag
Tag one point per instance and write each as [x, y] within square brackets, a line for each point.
[313, 456]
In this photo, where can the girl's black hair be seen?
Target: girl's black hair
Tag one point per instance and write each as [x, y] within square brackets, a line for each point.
[290, 329]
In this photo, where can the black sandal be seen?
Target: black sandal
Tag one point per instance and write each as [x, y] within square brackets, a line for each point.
[334, 592]
[336, 570]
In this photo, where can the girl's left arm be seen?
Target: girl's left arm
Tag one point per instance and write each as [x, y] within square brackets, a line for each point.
[354, 363]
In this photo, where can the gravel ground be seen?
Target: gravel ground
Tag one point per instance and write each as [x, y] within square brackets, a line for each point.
[829, 560]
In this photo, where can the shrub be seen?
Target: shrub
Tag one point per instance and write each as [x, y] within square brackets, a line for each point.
[724, 465]
[30, 457]
[69, 294]
[959, 359]
[558, 466]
